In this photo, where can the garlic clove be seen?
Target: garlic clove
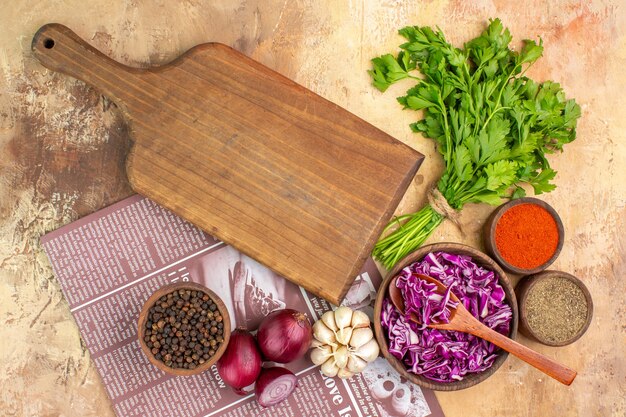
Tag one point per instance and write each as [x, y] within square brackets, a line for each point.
[316, 343]
[341, 357]
[361, 336]
[323, 333]
[356, 365]
[329, 368]
[343, 335]
[359, 320]
[321, 354]
[329, 320]
[344, 373]
[368, 352]
[343, 317]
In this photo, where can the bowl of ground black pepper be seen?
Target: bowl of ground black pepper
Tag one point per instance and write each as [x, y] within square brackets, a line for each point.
[183, 328]
[524, 235]
[555, 307]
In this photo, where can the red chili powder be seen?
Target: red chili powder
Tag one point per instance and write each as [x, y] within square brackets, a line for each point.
[526, 236]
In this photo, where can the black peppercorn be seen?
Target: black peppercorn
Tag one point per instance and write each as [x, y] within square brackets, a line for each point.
[184, 329]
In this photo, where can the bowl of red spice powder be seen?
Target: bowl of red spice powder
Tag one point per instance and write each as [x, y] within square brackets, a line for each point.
[524, 236]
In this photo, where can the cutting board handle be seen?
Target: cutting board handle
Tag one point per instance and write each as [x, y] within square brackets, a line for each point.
[60, 49]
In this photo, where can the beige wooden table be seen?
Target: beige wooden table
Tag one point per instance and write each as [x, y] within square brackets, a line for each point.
[62, 149]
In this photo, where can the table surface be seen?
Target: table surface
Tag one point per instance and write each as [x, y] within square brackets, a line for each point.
[62, 150]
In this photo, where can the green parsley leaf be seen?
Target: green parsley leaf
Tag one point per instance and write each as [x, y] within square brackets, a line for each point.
[463, 163]
[388, 70]
[500, 174]
[518, 193]
[541, 183]
[531, 51]
[493, 125]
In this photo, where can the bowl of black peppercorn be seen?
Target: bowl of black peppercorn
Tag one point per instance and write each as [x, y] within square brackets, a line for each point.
[183, 328]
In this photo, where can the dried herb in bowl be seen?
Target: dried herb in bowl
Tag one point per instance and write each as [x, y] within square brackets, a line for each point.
[556, 309]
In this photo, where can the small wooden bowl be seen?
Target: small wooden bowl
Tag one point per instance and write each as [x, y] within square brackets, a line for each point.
[480, 259]
[141, 330]
[524, 287]
[489, 235]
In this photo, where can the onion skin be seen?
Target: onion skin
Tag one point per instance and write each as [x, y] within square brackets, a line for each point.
[274, 385]
[284, 335]
[240, 365]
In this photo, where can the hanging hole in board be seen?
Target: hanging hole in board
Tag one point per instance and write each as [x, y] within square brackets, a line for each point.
[48, 43]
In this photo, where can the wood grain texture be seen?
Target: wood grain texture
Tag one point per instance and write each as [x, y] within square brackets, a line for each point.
[256, 160]
[63, 148]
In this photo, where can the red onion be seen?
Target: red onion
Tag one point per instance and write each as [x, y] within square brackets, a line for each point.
[284, 335]
[274, 385]
[241, 363]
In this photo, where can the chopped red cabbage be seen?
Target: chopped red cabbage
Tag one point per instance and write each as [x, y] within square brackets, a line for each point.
[443, 355]
[421, 297]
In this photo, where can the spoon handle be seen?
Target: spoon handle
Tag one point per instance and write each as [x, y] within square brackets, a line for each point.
[560, 372]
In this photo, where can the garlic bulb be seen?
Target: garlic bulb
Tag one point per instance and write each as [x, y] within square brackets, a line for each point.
[361, 336]
[343, 317]
[329, 368]
[316, 343]
[328, 319]
[321, 354]
[341, 357]
[368, 352]
[323, 333]
[344, 335]
[343, 342]
[356, 364]
[360, 320]
[344, 373]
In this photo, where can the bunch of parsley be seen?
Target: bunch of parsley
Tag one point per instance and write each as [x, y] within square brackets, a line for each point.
[493, 125]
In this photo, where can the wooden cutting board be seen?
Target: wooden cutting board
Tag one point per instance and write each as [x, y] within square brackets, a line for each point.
[285, 176]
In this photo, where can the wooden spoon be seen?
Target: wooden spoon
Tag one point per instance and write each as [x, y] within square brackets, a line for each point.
[462, 320]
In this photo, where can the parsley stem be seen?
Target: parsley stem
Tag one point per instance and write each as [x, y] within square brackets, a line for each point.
[444, 113]
[493, 126]
[491, 115]
[407, 237]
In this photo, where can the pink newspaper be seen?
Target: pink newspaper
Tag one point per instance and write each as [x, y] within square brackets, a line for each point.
[110, 262]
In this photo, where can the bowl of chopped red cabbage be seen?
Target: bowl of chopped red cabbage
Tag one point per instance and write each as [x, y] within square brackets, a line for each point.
[440, 359]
